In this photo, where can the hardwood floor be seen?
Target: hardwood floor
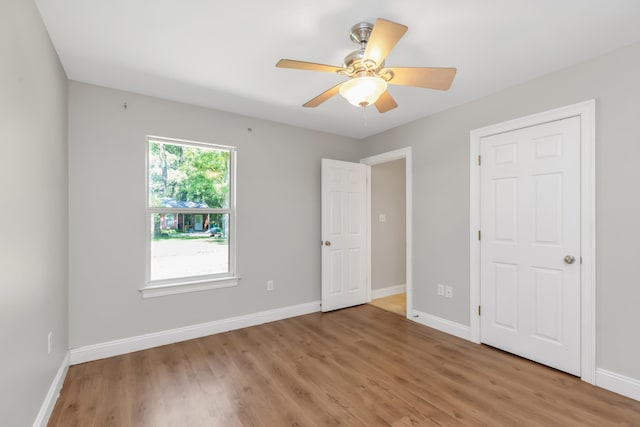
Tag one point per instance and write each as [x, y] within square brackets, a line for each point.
[394, 303]
[355, 367]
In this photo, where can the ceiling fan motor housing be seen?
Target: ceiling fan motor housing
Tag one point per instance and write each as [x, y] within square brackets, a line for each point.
[360, 34]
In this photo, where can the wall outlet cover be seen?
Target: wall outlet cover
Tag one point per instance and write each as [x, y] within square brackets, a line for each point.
[448, 291]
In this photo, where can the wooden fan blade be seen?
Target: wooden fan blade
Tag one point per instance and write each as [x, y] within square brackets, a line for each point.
[385, 102]
[430, 78]
[323, 96]
[310, 66]
[383, 38]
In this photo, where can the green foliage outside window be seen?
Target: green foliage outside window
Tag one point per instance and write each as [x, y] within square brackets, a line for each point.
[188, 174]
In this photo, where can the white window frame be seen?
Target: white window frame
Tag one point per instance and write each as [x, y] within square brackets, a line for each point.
[155, 288]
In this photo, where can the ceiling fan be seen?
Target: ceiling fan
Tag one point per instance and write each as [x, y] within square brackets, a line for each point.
[366, 70]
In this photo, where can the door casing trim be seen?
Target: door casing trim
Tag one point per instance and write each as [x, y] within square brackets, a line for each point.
[586, 111]
[402, 153]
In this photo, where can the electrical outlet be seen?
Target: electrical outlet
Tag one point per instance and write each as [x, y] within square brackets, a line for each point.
[382, 218]
[440, 289]
[269, 285]
[448, 291]
[49, 337]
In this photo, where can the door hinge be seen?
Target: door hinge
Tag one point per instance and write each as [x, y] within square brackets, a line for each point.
[479, 235]
[479, 160]
[478, 310]
[581, 260]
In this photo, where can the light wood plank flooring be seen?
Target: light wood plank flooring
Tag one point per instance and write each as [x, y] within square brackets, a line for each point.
[394, 303]
[355, 367]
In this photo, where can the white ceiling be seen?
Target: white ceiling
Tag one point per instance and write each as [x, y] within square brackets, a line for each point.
[222, 54]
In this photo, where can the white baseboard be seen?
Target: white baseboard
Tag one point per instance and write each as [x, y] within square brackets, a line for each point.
[155, 339]
[444, 325]
[388, 291]
[52, 395]
[617, 383]
[626, 386]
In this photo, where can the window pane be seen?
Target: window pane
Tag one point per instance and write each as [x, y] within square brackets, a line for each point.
[188, 177]
[187, 245]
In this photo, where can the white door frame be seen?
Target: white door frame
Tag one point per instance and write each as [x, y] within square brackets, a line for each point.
[402, 153]
[586, 111]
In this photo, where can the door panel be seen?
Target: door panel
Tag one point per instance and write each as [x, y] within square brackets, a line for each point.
[343, 234]
[548, 304]
[530, 219]
[506, 295]
[335, 268]
[547, 209]
[356, 277]
[335, 210]
[506, 197]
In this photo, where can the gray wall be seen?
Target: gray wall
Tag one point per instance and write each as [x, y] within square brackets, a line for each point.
[388, 239]
[33, 245]
[278, 199]
[441, 193]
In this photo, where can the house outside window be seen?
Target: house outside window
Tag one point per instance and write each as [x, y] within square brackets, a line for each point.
[191, 214]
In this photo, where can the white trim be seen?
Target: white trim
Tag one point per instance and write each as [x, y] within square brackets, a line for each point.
[617, 383]
[188, 143]
[406, 154]
[368, 269]
[52, 394]
[155, 339]
[586, 111]
[187, 286]
[443, 325]
[388, 291]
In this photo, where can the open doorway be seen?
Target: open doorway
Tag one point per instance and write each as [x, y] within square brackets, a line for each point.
[389, 242]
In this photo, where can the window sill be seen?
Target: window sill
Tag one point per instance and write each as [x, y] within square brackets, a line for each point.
[181, 287]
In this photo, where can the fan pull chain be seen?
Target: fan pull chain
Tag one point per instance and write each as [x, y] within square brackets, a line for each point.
[364, 115]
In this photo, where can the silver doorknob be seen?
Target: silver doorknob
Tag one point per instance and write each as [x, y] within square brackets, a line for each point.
[327, 243]
[569, 259]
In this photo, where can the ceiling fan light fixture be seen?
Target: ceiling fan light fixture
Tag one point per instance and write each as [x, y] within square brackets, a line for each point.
[363, 91]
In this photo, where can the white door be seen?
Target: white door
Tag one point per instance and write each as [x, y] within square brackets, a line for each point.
[343, 234]
[530, 243]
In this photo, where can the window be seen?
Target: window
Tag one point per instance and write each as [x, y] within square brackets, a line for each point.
[190, 209]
